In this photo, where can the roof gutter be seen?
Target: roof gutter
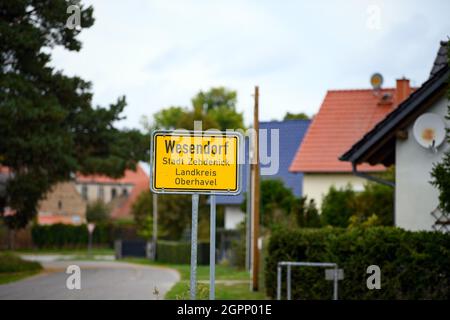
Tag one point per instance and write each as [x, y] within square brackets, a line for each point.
[370, 177]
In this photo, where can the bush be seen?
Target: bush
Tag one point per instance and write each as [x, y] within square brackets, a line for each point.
[338, 206]
[238, 247]
[414, 265]
[64, 235]
[97, 212]
[179, 252]
[10, 263]
[306, 213]
[374, 205]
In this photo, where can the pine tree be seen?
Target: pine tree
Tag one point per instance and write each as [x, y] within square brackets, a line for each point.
[48, 126]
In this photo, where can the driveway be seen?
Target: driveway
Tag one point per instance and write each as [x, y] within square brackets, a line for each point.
[99, 280]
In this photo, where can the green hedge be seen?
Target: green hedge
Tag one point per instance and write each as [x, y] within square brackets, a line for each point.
[63, 235]
[178, 252]
[414, 265]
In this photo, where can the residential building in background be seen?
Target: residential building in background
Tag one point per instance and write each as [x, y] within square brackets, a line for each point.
[394, 141]
[63, 204]
[344, 117]
[119, 194]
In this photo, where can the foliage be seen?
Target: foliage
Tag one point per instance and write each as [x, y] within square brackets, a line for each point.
[238, 248]
[338, 206]
[374, 203]
[296, 116]
[179, 252]
[414, 265]
[97, 212]
[276, 202]
[168, 118]
[306, 213]
[219, 104]
[441, 171]
[174, 216]
[215, 108]
[373, 206]
[10, 263]
[70, 236]
[142, 211]
[48, 125]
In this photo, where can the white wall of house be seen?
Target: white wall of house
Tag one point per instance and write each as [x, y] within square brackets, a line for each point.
[415, 197]
[316, 185]
[233, 216]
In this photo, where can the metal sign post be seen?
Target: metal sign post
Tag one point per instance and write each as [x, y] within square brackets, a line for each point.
[194, 246]
[91, 227]
[212, 249]
[196, 162]
[337, 274]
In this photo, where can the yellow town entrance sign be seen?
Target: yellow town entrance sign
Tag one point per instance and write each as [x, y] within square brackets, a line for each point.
[196, 162]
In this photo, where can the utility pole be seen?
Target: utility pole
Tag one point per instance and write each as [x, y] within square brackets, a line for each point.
[155, 223]
[255, 187]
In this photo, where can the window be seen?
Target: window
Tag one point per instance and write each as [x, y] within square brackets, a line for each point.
[59, 205]
[113, 193]
[125, 192]
[84, 192]
[101, 193]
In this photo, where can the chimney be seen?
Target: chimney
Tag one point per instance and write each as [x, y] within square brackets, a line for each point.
[403, 90]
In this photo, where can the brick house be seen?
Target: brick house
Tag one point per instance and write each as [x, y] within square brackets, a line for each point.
[63, 204]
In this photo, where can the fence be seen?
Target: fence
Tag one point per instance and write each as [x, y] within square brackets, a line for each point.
[290, 264]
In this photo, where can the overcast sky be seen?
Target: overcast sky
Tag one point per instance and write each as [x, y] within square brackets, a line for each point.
[161, 53]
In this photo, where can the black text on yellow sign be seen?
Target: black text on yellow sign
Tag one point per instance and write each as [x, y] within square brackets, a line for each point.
[195, 162]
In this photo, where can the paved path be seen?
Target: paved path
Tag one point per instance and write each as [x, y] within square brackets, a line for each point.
[99, 280]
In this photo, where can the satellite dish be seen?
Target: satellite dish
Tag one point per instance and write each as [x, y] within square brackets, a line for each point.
[429, 131]
[376, 80]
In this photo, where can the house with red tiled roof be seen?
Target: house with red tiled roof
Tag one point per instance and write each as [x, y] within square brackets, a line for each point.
[66, 202]
[344, 117]
[119, 194]
[412, 137]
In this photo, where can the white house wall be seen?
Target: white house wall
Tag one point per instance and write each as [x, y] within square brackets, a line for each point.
[233, 216]
[415, 196]
[316, 185]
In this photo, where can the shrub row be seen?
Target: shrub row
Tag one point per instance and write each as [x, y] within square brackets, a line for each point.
[63, 235]
[179, 252]
[414, 265]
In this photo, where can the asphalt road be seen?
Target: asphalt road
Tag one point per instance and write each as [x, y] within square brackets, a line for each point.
[99, 280]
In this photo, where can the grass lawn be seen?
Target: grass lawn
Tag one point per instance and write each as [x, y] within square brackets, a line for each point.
[225, 290]
[16, 276]
[13, 268]
[75, 252]
[235, 291]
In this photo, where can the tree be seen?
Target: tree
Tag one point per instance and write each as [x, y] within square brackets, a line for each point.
[97, 212]
[219, 104]
[169, 118]
[296, 116]
[376, 200]
[215, 98]
[306, 213]
[215, 108]
[372, 206]
[276, 202]
[174, 214]
[48, 126]
[338, 206]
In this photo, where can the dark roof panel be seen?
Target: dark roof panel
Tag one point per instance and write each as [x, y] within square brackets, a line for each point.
[291, 133]
[441, 59]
